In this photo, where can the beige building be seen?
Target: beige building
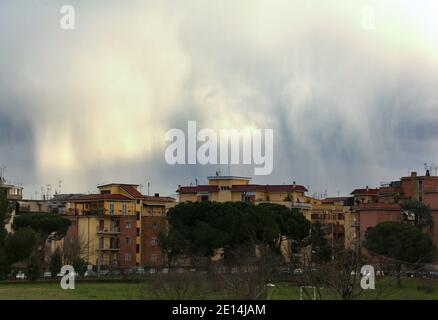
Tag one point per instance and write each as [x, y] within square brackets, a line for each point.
[236, 189]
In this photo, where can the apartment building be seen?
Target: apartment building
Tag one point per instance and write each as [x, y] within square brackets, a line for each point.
[13, 193]
[118, 226]
[376, 205]
[332, 214]
[234, 188]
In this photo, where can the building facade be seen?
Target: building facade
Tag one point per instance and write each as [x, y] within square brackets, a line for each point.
[233, 188]
[373, 206]
[114, 226]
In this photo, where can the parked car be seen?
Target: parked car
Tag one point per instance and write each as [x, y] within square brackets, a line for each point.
[103, 273]
[115, 272]
[165, 270]
[129, 271]
[380, 273]
[140, 271]
[90, 273]
[20, 276]
[47, 275]
[152, 271]
[298, 271]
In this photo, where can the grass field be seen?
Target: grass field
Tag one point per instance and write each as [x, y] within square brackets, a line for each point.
[424, 289]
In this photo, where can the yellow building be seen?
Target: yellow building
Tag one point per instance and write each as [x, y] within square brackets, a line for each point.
[109, 225]
[234, 188]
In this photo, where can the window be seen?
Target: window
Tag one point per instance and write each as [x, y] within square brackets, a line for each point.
[101, 242]
[128, 241]
[111, 209]
[204, 197]
[124, 209]
[128, 257]
[154, 241]
[138, 232]
[154, 226]
[138, 215]
[138, 248]
[154, 257]
[128, 224]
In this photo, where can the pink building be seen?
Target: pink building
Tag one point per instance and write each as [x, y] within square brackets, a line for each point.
[383, 204]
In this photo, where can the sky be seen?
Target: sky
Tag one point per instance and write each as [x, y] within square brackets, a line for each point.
[348, 87]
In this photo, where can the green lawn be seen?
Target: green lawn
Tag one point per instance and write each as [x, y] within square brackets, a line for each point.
[385, 289]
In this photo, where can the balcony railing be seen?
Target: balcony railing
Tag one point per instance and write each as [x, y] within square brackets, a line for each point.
[112, 248]
[111, 230]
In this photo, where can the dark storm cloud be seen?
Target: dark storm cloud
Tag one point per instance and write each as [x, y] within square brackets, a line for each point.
[349, 107]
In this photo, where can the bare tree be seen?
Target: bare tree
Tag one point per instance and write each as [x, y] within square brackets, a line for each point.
[75, 248]
[178, 286]
[339, 277]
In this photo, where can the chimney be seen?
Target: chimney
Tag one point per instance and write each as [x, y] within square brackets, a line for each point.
[367, 188]
[157, 195]
[413, 174]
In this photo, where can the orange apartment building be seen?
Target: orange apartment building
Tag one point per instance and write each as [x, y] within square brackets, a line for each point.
[118, 227]
[373, 206]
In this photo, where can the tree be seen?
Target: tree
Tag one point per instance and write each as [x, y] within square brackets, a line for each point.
[291, 223]
[55, 263]
[80, 266]
[422, 213]
[76, 248]
[403, 243]
[5, 208]
[320, 249]
[200, 228]
[44, 225]
[33, 268]
[19, 245]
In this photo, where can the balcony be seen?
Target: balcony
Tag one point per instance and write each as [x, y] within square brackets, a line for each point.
[114, 248]
[111, 230]
[355, 224]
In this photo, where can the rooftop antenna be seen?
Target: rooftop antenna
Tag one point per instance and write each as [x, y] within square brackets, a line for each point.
[2, 173]
[49, 191]
[149, 186]
[59, 186]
